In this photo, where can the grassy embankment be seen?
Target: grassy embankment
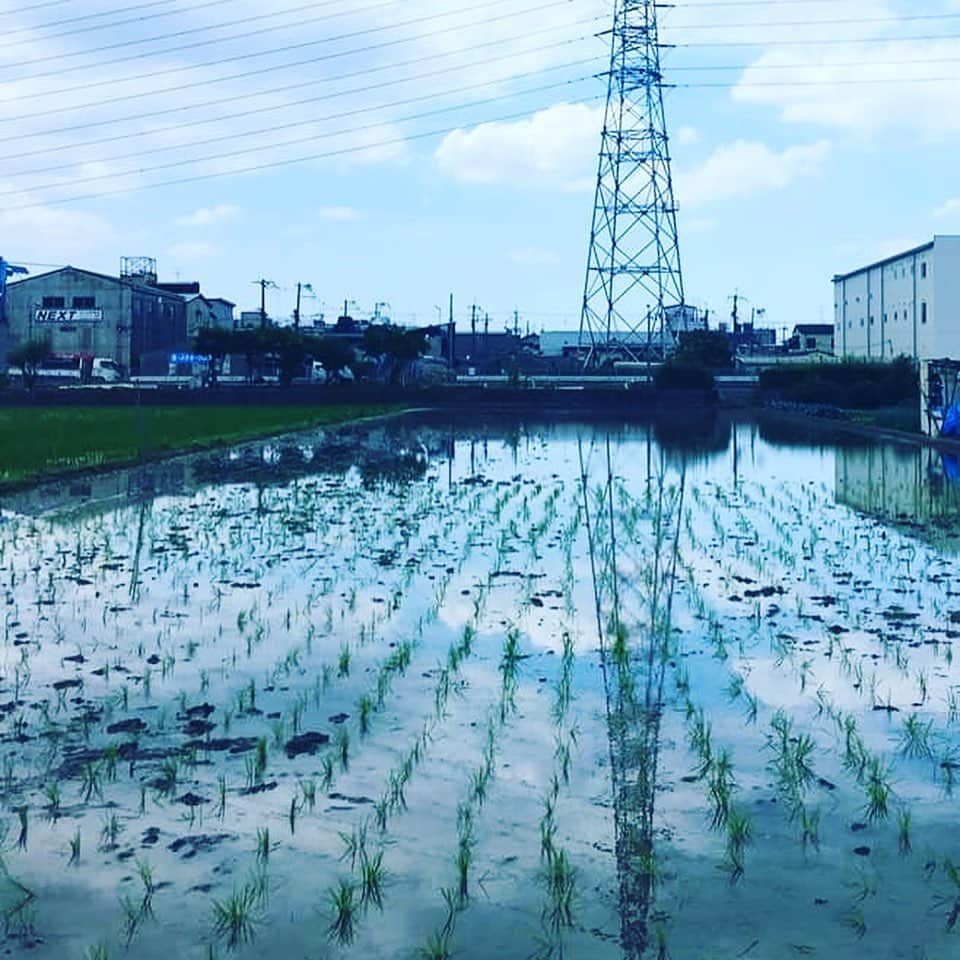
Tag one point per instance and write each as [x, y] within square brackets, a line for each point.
[40, 442]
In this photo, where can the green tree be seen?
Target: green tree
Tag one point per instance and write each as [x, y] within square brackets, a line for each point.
[290, 348]
[395, 346]
[28, 356]
[217, 343]
[333, 353]
[704, 350]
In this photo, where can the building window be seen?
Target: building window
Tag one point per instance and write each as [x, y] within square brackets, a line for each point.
[53, 303]
[84, 303]
[923, 269]
[923, 312]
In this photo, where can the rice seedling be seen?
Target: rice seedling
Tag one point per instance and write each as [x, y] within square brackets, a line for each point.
[810, 828]
[99, 951]
[437, 947]
[903, 831]
[561, 889]
[74, 849]
[221, 795]
[110, 832]
[236, 918]
[371, 879]
[721, 787]
[464, 859]
[342, 927]
[343, 661]
[878, 791]
[915, 738]
[951, 900]
[365, 710]
[52, 793]
[91, 781]
[327, 771]
[263, 844]
[308, 790]
[354, 846]
[260, 760]
[342, 746]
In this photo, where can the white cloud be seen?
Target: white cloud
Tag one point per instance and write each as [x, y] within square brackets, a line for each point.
[687, 136]
[952, 207]
[553, 149]
[207, 216]
[339, 214]
[745, 167]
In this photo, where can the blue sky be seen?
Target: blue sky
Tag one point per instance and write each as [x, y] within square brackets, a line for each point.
[788, 166]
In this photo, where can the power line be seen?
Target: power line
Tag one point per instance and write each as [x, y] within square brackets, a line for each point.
[859, 64]
[312, 138]
[814, 23]
[33, 6]
[107, 13]
[253, 73]
[299, 122]
[816, 83]
[849, 41]
[366, 31]
[263, 53]
[190, 31]
[277, 164]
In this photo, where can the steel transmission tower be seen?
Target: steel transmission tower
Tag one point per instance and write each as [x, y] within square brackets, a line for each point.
[633, 282]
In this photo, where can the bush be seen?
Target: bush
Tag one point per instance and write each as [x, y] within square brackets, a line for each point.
[677, 376]
[855, 385]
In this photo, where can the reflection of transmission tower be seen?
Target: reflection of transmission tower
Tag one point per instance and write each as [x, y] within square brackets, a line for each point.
[633, 282]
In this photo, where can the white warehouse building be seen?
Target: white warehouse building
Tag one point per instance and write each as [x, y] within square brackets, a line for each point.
[908, 304]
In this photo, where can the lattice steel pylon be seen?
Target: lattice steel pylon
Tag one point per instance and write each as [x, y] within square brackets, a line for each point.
[634, 282]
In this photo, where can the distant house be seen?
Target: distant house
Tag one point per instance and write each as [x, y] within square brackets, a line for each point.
[812, 337]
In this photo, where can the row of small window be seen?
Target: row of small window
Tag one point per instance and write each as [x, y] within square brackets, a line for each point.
[896, 316]
[79, 303]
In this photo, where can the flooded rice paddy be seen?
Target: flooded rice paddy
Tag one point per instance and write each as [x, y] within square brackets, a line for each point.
[422, 689]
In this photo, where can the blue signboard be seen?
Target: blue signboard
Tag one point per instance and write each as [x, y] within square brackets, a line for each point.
[191, 358]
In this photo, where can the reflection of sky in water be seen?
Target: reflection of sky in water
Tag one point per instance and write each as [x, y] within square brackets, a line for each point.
[824, 563]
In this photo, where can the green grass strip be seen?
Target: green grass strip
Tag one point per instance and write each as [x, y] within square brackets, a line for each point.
[46, 441]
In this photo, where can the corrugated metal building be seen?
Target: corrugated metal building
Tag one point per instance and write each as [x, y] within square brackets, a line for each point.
[131, 319]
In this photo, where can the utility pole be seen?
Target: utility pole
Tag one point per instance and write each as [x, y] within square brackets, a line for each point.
[473, 329]
[264, 284]
[451, 335]
[516, 323]
[296, 312]
[486, 325]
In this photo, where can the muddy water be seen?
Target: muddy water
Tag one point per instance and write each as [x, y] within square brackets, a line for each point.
[502, 689]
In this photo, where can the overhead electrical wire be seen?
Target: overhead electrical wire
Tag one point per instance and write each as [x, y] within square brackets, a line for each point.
[73, 108]
[140, 133]
[312, 138]
[190, 31]
[33, 6]
[112, 82]
[301, 122]
[277, 164]
[822, 42]
[33, 29]
[349, 35]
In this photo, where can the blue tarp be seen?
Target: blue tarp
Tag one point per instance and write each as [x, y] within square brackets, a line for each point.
[951, 422]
